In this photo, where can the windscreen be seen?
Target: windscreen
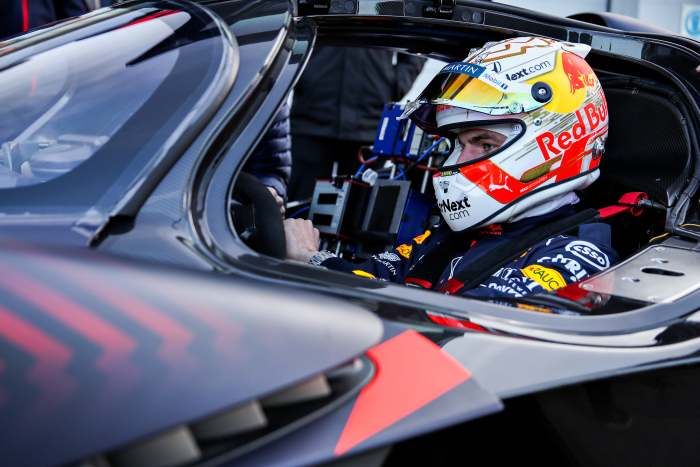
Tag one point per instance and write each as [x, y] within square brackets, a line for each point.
[61, 106]
[83, 108]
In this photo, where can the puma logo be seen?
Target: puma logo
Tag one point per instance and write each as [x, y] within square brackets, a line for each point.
[500, 187]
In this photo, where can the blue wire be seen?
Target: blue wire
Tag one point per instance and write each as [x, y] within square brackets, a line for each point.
[419, 159]
[362, 167]
[299, 212]
[430, 149]
[399, 175]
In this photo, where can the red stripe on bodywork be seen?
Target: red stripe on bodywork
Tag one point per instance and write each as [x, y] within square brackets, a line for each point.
[456, 323]
[25, 15]
[176, 338]
[52, 357]
[228, 332]
[32, 91]
[148, 18]
[116, 346]
[411, 372]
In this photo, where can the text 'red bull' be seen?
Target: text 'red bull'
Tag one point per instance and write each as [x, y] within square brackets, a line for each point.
[551, 145]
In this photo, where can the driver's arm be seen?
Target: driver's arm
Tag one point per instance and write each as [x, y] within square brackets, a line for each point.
[302, 245]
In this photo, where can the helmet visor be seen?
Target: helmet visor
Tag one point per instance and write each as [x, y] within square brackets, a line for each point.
[475, 88]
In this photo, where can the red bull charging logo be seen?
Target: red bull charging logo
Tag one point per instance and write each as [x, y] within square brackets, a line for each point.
[577, 71]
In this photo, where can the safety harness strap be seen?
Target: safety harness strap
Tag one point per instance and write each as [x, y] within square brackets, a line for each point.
[476, 273]
[425, 274]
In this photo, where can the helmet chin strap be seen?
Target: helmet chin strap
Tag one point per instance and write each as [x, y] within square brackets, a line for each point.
[548, 206]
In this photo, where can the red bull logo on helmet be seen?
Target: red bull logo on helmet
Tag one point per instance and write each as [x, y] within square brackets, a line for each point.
[571, 80]
[577, 71]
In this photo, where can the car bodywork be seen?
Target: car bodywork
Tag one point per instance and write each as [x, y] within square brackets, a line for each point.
[172, 207]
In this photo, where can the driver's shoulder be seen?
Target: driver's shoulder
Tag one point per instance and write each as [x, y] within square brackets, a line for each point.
[591, 246]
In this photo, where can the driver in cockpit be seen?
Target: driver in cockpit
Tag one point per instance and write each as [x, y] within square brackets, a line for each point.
[528, 120]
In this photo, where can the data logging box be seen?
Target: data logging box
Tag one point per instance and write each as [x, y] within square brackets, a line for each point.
[337, 207]
[398, 138]
[395, 215]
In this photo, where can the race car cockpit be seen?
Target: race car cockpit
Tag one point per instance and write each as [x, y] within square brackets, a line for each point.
[389, 204]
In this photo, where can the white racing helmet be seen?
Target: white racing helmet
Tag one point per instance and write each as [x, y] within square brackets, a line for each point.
[546, 101]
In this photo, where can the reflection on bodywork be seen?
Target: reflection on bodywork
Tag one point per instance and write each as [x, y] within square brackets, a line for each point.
[56, 113]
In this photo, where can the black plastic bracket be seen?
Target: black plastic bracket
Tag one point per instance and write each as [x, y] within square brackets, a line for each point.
[441, 9]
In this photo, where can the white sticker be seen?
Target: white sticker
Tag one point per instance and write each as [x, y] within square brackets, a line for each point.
[589, 253]
[385, 122]
[389, 256]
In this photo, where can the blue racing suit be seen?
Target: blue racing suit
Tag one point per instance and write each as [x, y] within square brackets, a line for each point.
[548, 265]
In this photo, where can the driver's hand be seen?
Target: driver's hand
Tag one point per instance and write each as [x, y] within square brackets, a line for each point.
[280, 201]
[302, 239]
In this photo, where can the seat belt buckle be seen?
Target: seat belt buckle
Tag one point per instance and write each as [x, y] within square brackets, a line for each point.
[418, 283]
[452, 286]
[629, 202]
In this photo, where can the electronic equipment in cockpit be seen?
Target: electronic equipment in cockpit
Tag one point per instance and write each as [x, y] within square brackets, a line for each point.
[388, 201]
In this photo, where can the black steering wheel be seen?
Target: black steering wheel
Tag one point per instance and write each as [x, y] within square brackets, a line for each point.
[256, 217]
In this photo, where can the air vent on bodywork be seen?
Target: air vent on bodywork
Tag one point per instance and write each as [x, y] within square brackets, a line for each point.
[175, 447]
[585, 38]
[240, 429]
[241, 419]
[315, 388]
[513, 22]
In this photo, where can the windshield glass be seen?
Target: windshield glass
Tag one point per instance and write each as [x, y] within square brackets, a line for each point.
[85, 108]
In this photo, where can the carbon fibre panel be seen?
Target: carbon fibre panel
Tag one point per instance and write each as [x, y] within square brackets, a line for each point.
[96, 353]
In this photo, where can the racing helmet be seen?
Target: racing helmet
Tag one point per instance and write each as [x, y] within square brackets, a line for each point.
[548, 107]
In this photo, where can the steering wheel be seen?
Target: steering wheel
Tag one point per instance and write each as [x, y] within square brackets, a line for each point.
[256, 217]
